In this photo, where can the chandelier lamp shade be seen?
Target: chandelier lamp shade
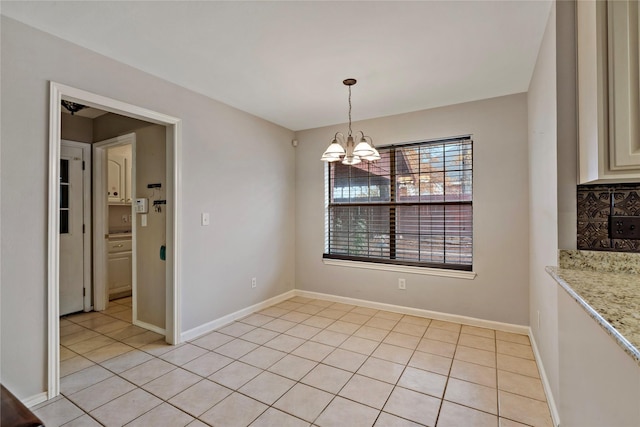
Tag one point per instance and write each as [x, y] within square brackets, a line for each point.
[346, 149]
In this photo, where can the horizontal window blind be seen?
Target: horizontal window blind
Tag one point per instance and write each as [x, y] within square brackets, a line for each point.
[414, 206]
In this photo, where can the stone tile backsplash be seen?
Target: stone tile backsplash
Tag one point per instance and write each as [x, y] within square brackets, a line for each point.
[595, 204]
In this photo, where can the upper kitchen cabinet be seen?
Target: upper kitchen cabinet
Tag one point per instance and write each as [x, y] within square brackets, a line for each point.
[608, 91]
[119, 161]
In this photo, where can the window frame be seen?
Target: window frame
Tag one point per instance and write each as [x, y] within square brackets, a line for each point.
[390, 264]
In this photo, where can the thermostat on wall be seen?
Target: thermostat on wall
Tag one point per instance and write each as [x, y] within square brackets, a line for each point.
[142, 205]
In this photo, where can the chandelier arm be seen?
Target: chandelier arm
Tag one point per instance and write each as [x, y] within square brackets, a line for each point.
[366, 137]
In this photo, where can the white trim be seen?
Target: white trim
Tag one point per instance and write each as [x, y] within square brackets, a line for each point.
[53, 259]
[173, 126]
[465, 320]
[225, 320]
[111, 105]
[174, 241]
[149, 326]
[457, 274]
[100, 230]
[88, 225]
[555, 416]
[34, 400]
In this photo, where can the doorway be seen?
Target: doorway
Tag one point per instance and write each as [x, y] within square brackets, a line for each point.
[172, 125]
[114, 237]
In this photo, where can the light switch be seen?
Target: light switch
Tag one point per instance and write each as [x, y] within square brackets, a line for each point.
[205, 218]
[143, 220]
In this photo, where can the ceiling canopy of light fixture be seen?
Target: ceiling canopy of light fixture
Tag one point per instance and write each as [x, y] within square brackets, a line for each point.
[346, 149]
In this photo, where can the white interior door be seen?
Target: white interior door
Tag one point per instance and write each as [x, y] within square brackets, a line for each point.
[71, 229]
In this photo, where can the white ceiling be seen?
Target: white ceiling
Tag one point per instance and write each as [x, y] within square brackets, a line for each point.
[285, 61]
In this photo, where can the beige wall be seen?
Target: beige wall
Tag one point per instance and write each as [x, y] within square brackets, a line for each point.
[76, 128]
[116, 224]
[217, 261]
[543, 199]
[111, 125]
[151, 270]
[500, 209]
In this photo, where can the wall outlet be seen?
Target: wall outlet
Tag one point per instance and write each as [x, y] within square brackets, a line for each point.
[402, 284]
[125, 219]
[254, 282]
[204, 219]
[624, 227]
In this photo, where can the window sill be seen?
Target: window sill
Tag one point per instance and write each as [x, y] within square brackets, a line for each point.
[468, 275]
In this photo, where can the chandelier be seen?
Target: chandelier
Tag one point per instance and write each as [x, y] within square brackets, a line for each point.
[72, 107]
[347, 150]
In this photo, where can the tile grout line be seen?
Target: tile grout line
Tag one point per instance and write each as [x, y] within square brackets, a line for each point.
[446, 383]
[353, 375]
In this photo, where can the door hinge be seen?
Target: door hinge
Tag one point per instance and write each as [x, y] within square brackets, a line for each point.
[83, 165]
[84, 292]
[83, 229]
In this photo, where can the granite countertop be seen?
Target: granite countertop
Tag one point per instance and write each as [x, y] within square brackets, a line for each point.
[608, 289]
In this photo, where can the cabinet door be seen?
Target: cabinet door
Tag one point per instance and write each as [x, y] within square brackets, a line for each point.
[624, 152]
[116, 178]
[120, 272]
[608, 91]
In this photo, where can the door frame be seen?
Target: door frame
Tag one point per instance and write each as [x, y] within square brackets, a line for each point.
[100, 212]
[86, 219]
[58, 92]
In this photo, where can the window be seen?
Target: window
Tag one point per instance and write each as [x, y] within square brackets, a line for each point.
[64, 196]
[411, 207]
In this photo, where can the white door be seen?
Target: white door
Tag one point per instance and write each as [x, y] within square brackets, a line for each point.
[71, 229]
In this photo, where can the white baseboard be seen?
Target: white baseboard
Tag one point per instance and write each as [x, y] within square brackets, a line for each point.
[225, 320]
[555, 416]
[471, 321]
[465, 320]
[150, 327]
[35, 399]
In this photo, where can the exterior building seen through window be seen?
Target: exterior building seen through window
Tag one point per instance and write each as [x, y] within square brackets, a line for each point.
[413, 207]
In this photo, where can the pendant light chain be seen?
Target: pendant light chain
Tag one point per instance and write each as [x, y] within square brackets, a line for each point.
[350, 111]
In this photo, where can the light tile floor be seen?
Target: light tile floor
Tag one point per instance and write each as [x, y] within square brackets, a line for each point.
[302, 362]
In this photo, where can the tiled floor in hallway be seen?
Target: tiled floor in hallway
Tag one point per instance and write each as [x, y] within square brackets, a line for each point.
[302, 362]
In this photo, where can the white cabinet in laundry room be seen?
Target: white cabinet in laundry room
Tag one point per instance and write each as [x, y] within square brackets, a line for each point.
[119, 161]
